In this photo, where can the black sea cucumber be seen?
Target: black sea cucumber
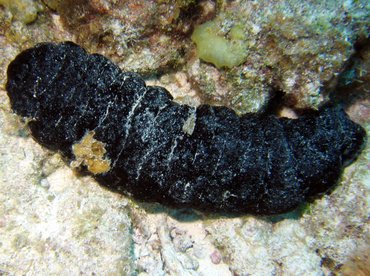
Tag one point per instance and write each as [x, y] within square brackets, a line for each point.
[136, 140]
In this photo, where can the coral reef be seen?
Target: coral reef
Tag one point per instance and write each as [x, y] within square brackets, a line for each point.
[358, 264]
[23, 10]
[293, 48]
[117, 29]
[53, 221]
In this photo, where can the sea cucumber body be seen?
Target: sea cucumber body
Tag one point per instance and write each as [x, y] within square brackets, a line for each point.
[206, 158]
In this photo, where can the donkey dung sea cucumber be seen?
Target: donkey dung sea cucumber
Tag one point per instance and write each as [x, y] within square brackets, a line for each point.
[136, 140]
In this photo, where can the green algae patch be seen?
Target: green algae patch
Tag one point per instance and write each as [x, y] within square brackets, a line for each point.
[217, 49]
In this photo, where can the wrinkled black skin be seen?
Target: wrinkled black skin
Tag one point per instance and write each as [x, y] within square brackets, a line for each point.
[256, 163]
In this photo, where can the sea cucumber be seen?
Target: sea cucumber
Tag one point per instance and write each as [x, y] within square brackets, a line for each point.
[134, 139]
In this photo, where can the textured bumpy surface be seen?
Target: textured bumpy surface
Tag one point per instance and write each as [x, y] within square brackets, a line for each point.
[136, 140]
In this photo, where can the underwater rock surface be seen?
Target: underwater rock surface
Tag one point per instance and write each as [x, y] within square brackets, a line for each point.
[137, 141]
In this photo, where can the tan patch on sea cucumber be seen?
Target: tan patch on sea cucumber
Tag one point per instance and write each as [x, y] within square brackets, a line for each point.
[90, 153]
[189, 124]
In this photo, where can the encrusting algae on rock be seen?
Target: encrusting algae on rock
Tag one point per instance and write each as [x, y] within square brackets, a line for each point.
[215, 48]
[23, 10]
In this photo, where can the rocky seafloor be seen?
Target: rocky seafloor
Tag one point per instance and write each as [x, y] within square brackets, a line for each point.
[56, 222]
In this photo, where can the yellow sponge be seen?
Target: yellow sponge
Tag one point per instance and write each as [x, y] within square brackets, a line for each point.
[217, 49]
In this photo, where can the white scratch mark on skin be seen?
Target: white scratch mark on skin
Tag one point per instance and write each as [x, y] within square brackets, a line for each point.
[35, 87]
[142, 162]
[129, 124]
[170, 155]
[106, 113]
[159, 111]
[83, 112]
[145, 158]
[195, 155]
[59, 120]
[219, 159]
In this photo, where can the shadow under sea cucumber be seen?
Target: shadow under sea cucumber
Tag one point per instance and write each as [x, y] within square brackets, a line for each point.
[136, 140]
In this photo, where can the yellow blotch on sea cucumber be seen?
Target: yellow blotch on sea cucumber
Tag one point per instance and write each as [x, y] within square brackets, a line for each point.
[90, 153]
